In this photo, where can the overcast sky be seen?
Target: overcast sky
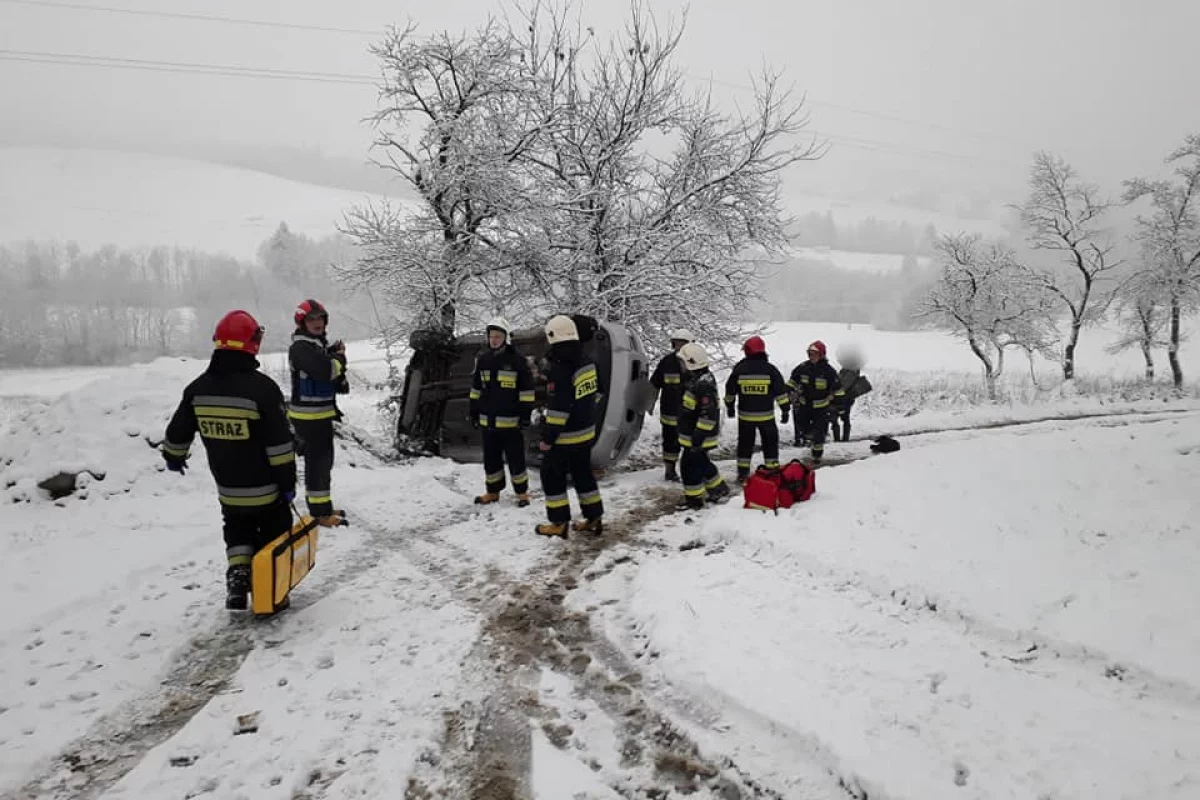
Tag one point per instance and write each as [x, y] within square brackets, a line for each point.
[1112, 84]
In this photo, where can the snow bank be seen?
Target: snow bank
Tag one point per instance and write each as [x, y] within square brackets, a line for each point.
[101, 430]
[1012, 613]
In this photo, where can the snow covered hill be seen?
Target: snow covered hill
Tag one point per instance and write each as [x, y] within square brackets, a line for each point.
[98, 197]
[987, 613]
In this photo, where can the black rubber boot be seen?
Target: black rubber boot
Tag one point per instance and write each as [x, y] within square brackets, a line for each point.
[237, 587]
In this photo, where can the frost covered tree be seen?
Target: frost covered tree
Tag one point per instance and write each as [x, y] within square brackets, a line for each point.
[450, 120]
[988, 298]
[1169, 237]
[558, 174]
[1065, 215]
[658, 206]
[1141, 317]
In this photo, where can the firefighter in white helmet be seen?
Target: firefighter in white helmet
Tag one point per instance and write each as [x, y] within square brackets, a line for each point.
[568, 432]
[500, 407]
[668, 383]
[699, 430]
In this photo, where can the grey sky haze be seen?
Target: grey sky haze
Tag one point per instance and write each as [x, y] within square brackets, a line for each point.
[1111, 84]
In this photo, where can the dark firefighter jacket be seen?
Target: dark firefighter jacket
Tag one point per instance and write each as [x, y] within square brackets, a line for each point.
[239, 414]
[700, 417]
[668, 379]
[816, 385]
[318, 376]
[501, 388]
[854, 385]
[571, 396]
[757, 386]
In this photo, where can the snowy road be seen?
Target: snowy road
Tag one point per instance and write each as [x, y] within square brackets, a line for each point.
[979, 615]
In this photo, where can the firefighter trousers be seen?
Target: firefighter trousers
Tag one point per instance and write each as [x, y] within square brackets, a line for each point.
[563, 463]
[769, 432]
[670, 443]
[499, 446]
[317, 436]
[699, 474]
[841, 417]
[811, 424]
[247, 532]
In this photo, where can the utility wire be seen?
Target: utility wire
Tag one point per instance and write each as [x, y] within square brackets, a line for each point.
[59, 4]
[235, 71]
[193, 17]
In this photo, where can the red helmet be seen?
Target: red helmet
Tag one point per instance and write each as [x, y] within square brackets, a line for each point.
[819, 346]
[754, 345]
[309, 308]
[237, 330]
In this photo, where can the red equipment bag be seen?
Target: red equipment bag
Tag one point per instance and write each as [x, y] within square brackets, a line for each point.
[772, 488]
[797, 484]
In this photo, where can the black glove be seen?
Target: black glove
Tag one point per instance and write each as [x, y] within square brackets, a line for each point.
[524, 423]
[177, 465]
[729, 412]
[474, 420]
[299, 445]
[783, 418]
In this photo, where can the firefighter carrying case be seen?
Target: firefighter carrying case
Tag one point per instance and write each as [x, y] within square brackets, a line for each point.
[281, 565]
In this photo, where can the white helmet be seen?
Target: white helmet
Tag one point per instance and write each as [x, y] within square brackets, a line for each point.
[500, 324]
[682, 335]
[561, 328]
[693, 356]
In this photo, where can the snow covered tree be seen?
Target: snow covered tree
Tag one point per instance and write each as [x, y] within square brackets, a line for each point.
[558, 175]
[450, 121]
[1064, 214]
[1141, 315]
[1169, 238]
[658, 205]
[987, 297]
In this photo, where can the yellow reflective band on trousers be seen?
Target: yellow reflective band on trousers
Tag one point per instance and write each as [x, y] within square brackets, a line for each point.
[577, 437]
[248, 496]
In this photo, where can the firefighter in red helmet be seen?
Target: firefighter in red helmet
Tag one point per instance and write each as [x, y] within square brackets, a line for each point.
[318, 375]
[816, 386]
[756, 386]
[240, 416]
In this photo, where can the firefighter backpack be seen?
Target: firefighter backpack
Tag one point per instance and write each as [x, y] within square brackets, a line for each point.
[773, 488]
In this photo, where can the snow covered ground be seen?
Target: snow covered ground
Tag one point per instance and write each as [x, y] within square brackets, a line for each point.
[101, 197]
[989, 613]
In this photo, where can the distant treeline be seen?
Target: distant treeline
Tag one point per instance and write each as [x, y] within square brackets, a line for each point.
[61, 305]
[870, 235]
[818, 291]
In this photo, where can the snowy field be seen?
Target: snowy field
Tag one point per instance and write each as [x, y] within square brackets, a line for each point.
[992, 612]
[101, 197]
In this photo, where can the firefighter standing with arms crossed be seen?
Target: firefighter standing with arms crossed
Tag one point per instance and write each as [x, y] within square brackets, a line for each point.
[699, 430]
[756, 386]
[501, 402]
[568, 432]
[816, 387]
[318, 376]
[667, 381]
[239, 414]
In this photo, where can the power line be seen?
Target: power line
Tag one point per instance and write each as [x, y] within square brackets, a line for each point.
[235, 71]
[881, 115]
[361, 32]
[79, 60]
[59, 4]
[193, 17]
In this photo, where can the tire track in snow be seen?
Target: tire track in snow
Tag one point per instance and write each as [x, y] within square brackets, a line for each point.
[200, 670]
[725, 452]
[484, 751]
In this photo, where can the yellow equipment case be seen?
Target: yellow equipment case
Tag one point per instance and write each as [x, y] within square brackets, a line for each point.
[277, 568]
